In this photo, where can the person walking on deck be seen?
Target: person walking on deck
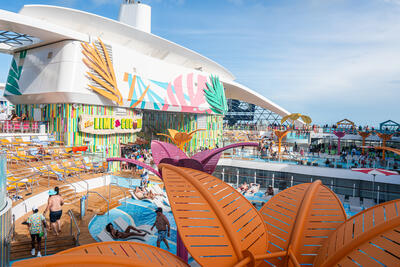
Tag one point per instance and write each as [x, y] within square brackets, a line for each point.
[162, 224]
[36, 221]
[54, 205]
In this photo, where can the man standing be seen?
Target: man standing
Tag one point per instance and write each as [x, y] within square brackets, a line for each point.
[161, 224]
[54, 205]
[35, 222]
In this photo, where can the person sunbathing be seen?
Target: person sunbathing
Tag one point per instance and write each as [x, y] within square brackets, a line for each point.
[123, 235]
[142, 193]
[253, 188]
[244, 187]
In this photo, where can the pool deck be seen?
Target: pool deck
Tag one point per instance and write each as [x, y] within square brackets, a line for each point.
[95, 203]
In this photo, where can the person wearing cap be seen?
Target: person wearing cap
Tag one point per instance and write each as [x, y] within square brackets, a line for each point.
[36, 221]
[162, 224]
[54, 205]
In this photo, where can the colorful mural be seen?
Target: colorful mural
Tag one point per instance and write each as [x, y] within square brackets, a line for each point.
[184, 94]
[190, 93]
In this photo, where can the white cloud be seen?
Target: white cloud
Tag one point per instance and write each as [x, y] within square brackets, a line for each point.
[393, 1]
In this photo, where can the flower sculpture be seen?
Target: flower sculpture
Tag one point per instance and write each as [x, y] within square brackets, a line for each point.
[180, 138]
[167, 153]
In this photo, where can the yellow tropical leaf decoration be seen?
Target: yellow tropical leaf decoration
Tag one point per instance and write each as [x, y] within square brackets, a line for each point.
[180, 138]
[101, 71]
[295, 116]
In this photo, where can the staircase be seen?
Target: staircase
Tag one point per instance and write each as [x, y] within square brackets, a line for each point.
[68, 194]
[55, 244]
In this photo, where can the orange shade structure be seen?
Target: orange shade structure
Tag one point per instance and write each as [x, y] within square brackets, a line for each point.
[217, 224]
[114, 253]
[299, 219]
[370, 238]
[364, 135]
[384, 137]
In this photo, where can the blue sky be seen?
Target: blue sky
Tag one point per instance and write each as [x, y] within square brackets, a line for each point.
[330, 59]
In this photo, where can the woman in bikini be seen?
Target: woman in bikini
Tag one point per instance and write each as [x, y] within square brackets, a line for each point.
[123, 235]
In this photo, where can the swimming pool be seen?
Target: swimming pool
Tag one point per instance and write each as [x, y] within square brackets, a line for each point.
[259, 201]
[141, 212]
[134, 212]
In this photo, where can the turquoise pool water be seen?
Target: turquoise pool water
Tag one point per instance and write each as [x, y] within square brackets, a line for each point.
[143, 213]
[139, 212]
[259, 201]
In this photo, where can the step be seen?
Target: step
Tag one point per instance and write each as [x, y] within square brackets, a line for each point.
[69, 195]
[22, 249]
[103, 209]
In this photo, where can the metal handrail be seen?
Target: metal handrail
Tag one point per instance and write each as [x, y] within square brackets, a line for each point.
[87, 184]
[78, 231]
[100, 195]
[109, 191]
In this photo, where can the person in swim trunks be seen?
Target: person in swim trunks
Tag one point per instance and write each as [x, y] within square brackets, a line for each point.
[122, 235]
[54, 205]
[162, 225]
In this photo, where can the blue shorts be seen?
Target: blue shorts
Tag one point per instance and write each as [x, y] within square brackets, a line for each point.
[162, 235]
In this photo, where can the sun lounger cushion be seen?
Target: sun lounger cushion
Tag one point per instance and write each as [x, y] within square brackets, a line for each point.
[355, 205]
[105, 236]
[368, 203]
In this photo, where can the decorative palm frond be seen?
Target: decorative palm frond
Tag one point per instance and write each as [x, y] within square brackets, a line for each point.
[370, 238]
[12, 85]
[101, 71]
[217, 224]
[299, 219]
[215, 96]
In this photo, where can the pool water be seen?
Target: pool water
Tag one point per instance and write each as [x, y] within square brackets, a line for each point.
[142, 212]
[259, 201]
[134, 212]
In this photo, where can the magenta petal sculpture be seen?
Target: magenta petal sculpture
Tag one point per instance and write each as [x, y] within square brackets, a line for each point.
[162, 150]
[168, 153]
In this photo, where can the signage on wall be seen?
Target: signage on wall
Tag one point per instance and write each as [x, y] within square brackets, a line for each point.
[109, 124]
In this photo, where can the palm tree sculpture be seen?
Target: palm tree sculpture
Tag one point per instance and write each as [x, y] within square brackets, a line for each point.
[364, 135]
[385, 137]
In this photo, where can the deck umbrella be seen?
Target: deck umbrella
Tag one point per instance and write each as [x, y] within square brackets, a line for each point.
[374, 172]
